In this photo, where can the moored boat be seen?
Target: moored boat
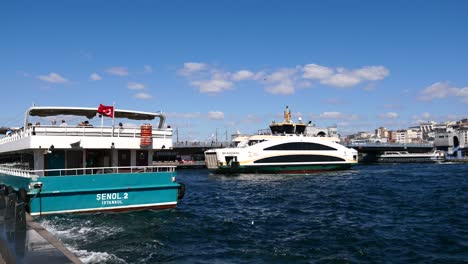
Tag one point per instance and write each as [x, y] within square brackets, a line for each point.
[73, 169]
[406, 157]
[286, 149]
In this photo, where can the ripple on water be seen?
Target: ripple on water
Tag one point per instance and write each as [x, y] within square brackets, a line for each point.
[370, 214]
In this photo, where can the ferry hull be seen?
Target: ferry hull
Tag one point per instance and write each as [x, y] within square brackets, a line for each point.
[283, 169]
[409, 160]
[99, 192]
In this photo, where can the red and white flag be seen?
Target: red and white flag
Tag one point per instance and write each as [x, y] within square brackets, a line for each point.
[106, 110]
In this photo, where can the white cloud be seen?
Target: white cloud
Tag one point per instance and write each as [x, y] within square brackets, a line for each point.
[119, 71]
[284, 81]
[95, 77]
[284, 88]
[147, 69]
[242, 75]
[342, 77]
[332, 115]
[314, 71]
[216, 115]
[335, 115]
[144, 96]
[389, 115]
[442, 90]
[341, 80]
[426, 115]
[192, 67]
[259, 76]
[212, 81]
[343, 124]
[281, 82]
[212, 86]
[372, 73]
[52, 78]
[135, 86]
[281, 75]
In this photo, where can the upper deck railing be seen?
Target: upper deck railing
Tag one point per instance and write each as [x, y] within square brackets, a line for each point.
[203, 144]
[83, 171]
[84, 131]
[391, 145]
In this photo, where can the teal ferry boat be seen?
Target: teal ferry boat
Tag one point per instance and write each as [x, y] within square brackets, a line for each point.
[62, 168]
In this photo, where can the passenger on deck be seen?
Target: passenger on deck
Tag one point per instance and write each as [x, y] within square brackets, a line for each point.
[63, 123]
[53, 122]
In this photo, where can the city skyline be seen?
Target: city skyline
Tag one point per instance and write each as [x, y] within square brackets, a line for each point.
[222, 65]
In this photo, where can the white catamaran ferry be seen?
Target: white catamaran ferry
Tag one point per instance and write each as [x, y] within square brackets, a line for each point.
[286, 149]
[63, 168]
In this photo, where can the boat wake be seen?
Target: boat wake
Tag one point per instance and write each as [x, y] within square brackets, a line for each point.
[82, 233]
[96, 257]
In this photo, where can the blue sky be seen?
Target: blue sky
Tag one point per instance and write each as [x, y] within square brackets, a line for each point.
[235, 65]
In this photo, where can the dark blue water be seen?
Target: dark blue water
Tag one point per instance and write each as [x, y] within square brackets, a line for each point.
[408, 213]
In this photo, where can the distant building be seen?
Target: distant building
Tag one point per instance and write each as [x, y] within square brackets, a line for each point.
[381, 132]
[427, 127]
[411, 135]
[452, 137]
[392, 136]
[312, 130]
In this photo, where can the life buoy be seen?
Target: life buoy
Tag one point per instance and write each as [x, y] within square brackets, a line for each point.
[146, 133]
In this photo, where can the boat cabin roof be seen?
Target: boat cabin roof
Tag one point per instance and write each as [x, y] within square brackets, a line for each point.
[287, 128]
[90, 112]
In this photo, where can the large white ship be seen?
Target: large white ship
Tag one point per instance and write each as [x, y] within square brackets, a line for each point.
[287, 149]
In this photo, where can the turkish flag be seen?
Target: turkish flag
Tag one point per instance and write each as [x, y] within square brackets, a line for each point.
[106, 110]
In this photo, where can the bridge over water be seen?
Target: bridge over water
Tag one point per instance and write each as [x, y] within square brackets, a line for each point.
[367, 151]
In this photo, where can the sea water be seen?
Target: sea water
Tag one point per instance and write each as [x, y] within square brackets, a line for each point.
[394, 213]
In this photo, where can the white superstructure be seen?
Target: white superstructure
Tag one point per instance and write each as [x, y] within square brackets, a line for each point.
[287, 149]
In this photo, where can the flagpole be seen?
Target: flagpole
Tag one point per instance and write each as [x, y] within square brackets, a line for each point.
[113, 117]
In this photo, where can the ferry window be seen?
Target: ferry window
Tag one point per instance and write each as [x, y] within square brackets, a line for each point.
[299, 158]
[253, 142]
[300, 146]
[98, 158]
[74, 160]
[142, 158]
[243, 144]
[124, 157]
